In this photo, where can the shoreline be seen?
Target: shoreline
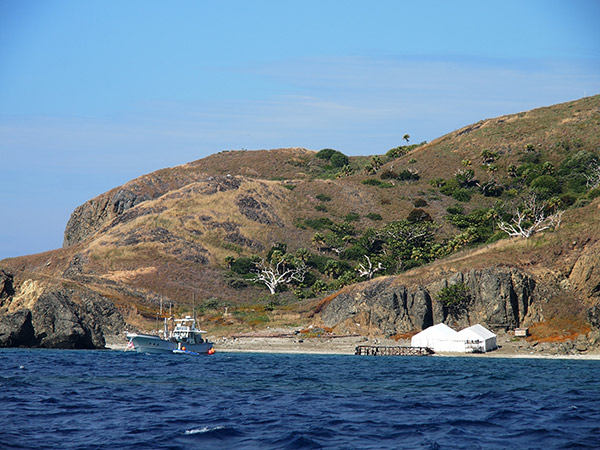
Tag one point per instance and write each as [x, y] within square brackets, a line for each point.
[330, 345]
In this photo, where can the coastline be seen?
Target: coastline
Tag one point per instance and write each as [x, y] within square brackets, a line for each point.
[345, 345]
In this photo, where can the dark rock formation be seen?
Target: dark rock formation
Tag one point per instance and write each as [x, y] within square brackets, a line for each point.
[6, 284]
[16, 330]
[61, 317]
[499, 297]
[257, 211]
[67, 318]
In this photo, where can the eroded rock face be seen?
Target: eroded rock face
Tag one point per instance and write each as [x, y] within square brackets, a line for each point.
[497, 297]
[66, 318]
[16, 330]
[6, 284]
[61, 318]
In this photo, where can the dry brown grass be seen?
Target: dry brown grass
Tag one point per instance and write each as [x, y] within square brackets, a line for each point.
[559, 329]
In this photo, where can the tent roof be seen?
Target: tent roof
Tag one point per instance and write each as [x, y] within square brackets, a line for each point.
[479, 330]
[441, 330]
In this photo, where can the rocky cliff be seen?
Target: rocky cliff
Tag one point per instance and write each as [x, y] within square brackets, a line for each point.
[56, 316]
[498, 297]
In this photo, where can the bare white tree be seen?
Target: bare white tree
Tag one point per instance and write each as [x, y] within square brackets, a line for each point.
[593, 179]
[273, 275]
[530, 218]
[368, 270]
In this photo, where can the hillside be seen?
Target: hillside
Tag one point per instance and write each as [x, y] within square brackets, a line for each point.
[198, 233]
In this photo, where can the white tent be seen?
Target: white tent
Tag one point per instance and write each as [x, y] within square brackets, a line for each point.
[477, 338]
[439, 338]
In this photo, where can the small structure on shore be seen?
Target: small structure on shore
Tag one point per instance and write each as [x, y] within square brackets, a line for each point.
[478, 339]
[442, 338]
[439, 338]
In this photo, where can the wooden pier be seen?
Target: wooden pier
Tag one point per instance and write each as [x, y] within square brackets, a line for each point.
[381, 350]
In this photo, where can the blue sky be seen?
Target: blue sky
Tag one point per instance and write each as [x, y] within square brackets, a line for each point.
[95, 93]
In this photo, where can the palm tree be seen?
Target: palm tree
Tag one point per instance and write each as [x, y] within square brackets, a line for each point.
[406, 137]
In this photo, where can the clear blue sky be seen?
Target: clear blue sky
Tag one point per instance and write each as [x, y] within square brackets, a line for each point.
[95, 93]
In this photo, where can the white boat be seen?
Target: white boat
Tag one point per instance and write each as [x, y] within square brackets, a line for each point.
[184, 338]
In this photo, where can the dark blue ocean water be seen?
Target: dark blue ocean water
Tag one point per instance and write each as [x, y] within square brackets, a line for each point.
[55, 399]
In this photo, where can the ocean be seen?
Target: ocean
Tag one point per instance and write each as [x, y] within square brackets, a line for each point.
[62, 399]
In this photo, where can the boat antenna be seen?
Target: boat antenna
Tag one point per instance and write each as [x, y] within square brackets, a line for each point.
[194, 304]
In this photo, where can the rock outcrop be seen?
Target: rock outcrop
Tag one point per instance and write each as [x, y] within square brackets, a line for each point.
[496, 297]
[117, 206]
[16, 330]
[6, 284]
[58, 317]
[66, 318]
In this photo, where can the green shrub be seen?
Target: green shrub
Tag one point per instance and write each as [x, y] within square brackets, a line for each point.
[408, 175]
[572, 171]
[323, 197]
[455, 298]
[419, 203]
[388, 175]
[396, 152]
[492, 189]
[461, 195]
[318, 224]
[455, 209]
[338, 159]
[352, 217]
[321, 208]
[567, 200]
[243, 265]
[531, 157]
[546, 186]
[291, 187]
[318, 262]
[449, 186]
[418, 215]
[594, 193]
[374, 216]
[326, 153]
[371, 182]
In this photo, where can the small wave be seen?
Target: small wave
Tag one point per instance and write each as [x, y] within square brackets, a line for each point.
[204, 430]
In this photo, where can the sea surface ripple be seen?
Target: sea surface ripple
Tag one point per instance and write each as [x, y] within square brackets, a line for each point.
[59, 399]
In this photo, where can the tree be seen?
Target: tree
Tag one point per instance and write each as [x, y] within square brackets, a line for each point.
[593, 179]
[406, 137]
[369, 269]
[281, 269]
[376, 162]
[488, 156]
[455, 298]
[346, 171]
[530, 218]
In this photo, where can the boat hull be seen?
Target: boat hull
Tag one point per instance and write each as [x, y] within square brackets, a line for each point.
[154, 344]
